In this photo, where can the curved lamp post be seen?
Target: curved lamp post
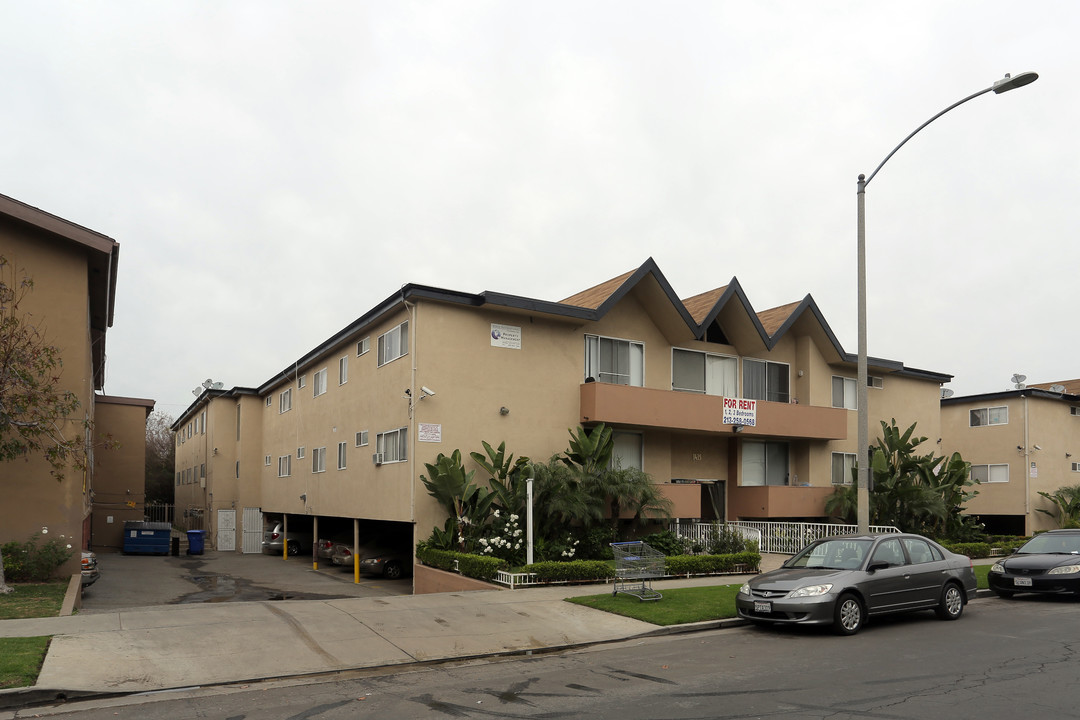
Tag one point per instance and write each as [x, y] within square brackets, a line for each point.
[863, 456]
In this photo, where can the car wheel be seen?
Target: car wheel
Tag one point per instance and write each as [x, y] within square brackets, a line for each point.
[294, 548]
[1006, 594]
[392, 571]
[848, 617]
[951, 604]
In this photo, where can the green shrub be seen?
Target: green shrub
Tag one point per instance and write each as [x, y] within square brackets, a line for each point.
[713, 564]
[474, 566]
[26, 562]
[972, 550]
[724, 540]
[574, 571]
[667, 542]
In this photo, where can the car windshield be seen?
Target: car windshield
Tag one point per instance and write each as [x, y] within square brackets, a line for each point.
[834, 554]
[1051, 543]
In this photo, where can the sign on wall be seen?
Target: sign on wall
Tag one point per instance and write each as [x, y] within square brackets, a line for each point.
[506, 336]
[739, 411]
[429, 432]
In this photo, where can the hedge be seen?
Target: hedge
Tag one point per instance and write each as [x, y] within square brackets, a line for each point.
[575, 570]
[972, 550]
[474, 566]
[713, 564]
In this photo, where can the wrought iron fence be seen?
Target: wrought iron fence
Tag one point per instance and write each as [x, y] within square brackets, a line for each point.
[700, 533]
[183, 519]
[773, 537]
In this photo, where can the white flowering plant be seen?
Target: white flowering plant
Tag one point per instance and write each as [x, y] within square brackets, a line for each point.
[504, 538]
[29, 562]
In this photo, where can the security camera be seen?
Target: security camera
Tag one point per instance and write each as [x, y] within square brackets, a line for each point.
[1037, 447]
[427, 391]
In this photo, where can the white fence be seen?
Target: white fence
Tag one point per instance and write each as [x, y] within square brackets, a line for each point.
[775, 537]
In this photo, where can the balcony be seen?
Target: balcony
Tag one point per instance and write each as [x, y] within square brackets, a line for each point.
[780, 501]
[671, 410]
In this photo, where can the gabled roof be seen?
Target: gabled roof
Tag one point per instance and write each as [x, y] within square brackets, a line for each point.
[773, 319]
[595, 296]
[103, 255]
[1072, 387]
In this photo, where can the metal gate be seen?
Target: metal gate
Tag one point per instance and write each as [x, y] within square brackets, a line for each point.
[253, 530]
[226, 530]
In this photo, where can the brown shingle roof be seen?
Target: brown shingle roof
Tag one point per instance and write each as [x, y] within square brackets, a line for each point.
[595, 296]
[772, 319]
[1072, 387]
[700, 305]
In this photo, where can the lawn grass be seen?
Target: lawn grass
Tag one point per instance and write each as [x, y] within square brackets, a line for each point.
[980, 575]
[33, 600]
[21, 657]
[20, 660]
[678, 606]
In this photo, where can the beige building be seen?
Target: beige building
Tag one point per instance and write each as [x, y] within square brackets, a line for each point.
[74, 272]
[1019, 442]
[342, 433]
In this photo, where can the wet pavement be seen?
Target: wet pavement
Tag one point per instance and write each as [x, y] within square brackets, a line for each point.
[129, 581]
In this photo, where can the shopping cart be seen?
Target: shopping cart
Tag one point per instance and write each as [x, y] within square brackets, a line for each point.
[636, 564]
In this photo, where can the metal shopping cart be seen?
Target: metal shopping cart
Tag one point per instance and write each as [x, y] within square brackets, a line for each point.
[636, 564]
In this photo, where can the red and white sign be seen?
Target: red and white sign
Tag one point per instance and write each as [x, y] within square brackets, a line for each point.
[739, 411]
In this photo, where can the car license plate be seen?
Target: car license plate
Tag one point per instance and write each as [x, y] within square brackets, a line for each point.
[1022, 582]
[762, 607]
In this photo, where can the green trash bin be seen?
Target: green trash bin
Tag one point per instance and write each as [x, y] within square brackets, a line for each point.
[195, 542]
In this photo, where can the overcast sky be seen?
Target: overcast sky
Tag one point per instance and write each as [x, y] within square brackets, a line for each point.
[273, 170]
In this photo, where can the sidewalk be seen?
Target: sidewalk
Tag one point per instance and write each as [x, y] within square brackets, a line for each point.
[156, 648]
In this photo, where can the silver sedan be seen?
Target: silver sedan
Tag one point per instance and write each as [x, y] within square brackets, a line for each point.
[843, 580]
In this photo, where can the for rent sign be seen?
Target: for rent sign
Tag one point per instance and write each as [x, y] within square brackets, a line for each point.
[738, 411]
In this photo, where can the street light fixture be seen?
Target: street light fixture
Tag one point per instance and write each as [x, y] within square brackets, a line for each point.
[863, 455]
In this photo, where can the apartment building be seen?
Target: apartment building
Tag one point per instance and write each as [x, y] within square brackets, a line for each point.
[343, 432]
[74, 271]
[1020, 442]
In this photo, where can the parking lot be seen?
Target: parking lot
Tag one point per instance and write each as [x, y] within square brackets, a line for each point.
[144, 580]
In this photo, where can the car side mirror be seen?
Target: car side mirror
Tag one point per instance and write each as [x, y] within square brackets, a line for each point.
[877, 565]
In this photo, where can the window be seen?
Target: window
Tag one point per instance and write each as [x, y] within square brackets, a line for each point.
[284, 466]
[343, 370]
[266, 460]
[921, 551]
[990, 416]
[621, 362]
[842, 465]
[285, 401]
[237, 469]
[341, 449]
[361, 438]
[318, 460]
[764, 463]
[394, 343]
[874, 382]
[1074, 411]
[363, 346]
[392, 445]
[889, 551]
[1076, 467]
[178, 477]
[300, 453]
[764, 380]
[189, 431]
[318, 383]
[844, 393]
[202, 470]
[990, 473]
[269, 401]
[203, 422]
[196, 426]
[627, 450]
[301, 382]
[693, 371]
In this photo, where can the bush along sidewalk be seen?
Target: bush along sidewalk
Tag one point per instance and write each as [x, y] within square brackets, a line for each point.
[487, 568]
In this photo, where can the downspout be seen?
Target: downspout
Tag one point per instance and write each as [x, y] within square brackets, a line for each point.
[1027, 468]
[412, 310]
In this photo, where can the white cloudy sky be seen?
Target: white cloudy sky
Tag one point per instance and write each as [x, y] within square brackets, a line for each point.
[272, 170]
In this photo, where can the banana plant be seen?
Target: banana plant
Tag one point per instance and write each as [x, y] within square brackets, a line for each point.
[1066, 506]
[506, 477]
[590, 450]
[467, 503]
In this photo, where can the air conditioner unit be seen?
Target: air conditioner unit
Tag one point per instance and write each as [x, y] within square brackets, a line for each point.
[202, 482]
[377, 458]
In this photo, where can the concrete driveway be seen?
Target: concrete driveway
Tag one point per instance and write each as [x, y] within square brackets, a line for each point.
[129, 581]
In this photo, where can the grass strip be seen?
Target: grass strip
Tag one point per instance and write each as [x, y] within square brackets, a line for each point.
[678, 606]
[33, 600]
[21, 659]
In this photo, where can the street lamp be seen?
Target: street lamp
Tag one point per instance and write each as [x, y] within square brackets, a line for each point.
[863, 455]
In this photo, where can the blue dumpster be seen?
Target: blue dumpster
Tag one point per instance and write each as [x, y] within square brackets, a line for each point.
[195, 542]
[146, 538]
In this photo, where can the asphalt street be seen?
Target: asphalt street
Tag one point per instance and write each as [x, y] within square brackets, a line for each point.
[1001, 661]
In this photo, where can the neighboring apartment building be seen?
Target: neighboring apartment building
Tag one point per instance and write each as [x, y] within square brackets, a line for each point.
[1019, 442]
[344, 431]
[74, 272]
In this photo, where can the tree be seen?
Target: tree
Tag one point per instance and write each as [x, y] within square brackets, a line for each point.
[466, 503]
[160, 458]
[35, 411]
[1066, 506]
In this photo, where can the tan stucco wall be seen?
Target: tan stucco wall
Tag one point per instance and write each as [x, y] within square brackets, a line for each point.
[120, 472]
[1032, 421]
[59, 305]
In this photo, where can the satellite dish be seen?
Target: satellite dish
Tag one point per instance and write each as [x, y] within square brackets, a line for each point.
[947, 393]
[217, 386]
[1057, 388]
[1018, 378]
